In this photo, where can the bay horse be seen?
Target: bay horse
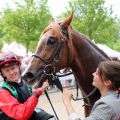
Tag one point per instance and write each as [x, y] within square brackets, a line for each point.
[63, 47]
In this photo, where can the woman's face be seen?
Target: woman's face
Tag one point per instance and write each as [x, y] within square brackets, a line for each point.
[102, 85]
[12, 72]
[97, 82]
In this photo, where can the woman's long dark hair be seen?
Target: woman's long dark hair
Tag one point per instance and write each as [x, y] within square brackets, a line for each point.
[110, 70]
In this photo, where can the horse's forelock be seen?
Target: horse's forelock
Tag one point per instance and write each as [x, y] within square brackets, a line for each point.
[55, 27]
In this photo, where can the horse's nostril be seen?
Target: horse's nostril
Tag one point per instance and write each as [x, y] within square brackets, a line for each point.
[28, 75]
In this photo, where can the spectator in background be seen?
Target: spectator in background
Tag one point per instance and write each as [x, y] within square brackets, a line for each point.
[24, 63]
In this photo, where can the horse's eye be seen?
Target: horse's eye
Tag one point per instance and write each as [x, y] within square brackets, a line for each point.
[51, 41]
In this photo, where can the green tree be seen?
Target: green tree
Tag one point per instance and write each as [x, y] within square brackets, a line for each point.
[116, 43]
[25, 23]
[93, 19]
[1, 35]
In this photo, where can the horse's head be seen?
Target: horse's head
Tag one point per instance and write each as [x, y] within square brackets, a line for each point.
[50, 55]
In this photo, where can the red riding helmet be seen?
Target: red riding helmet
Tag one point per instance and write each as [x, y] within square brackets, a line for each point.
[9, 57]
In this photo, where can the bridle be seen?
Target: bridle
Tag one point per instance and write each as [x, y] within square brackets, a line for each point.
[55, 55]
[49, 68]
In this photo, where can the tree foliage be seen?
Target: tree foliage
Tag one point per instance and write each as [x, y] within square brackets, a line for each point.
[93, 19]
[25, 23]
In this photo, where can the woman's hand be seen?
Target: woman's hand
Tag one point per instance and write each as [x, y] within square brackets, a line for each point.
[67, 96]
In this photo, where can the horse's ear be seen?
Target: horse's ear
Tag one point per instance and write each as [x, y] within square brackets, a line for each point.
[52, 20]
[68, 20]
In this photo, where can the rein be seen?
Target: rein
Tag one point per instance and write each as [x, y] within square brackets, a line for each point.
[77, 88]
[86, 97]
[51, 104]
[49, 70]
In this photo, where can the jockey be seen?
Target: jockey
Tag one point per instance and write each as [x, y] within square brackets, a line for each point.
[17, 101]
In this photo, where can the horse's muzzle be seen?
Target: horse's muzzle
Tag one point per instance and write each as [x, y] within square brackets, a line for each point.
[34, 79]
[28, 76]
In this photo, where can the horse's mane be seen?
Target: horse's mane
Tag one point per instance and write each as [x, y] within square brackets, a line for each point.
[100, 50]
[91, 43]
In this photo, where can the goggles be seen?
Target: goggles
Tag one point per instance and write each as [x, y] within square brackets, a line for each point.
[10, 57]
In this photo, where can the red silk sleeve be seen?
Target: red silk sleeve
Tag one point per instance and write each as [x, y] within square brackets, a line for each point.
[11, 106]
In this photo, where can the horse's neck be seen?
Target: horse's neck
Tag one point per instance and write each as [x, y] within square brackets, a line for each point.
[86, 56]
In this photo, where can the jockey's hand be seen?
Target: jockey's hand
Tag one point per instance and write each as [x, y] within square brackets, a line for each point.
[44, 86]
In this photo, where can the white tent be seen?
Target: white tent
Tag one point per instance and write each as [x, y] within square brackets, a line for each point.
[110, 52]
[16, 48]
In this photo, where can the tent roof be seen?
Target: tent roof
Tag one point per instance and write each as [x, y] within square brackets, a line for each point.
[110, 52]
[16, 48]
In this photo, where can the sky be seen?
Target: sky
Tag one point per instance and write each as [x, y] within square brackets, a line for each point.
[116, 6]
[58, 6]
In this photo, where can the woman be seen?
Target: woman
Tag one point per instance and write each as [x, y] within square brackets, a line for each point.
[107, 80]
